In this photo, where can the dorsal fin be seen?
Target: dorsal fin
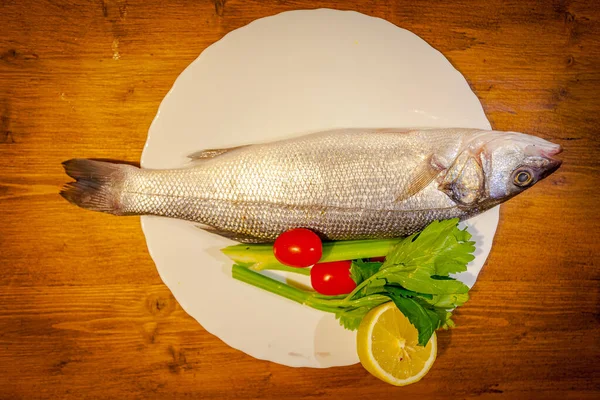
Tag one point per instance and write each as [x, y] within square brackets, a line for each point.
[211, 153]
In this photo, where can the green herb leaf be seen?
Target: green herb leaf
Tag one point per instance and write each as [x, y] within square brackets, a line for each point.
[418, 279]
[351, 318]
[447, 301]
[376, 287]
[448, 323]
[445, 320]
[408, 293]
[441, 278]
[362, 270]
[441, 247]
[371, 286]
[422, 261]
[426, 321]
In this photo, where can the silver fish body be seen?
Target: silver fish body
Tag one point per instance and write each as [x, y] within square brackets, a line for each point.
[343, 184]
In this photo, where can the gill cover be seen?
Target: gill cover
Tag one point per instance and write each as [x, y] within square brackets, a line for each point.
[464, 181]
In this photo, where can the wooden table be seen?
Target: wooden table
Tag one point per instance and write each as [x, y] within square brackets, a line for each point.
[83, 312]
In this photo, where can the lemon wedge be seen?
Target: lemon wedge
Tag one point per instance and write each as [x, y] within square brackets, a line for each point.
[387, 347]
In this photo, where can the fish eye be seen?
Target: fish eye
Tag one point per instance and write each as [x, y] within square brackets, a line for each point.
[523, 178]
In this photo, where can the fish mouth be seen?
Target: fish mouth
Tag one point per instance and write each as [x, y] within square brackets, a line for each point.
[553, 165]
[548, 152]
[554, 162]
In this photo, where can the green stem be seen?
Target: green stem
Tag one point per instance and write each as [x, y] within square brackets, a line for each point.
[362, 285]
[345, 303]
[333, 304]
[357, 249]
[380, 275]
[261, 257]
[280, 267]
[246, 275]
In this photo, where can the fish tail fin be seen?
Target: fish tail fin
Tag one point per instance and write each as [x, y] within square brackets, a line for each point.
[97, 185]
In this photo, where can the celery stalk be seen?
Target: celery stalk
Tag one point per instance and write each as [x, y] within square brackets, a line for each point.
[333, 304]
[260, 257]
[246, 275]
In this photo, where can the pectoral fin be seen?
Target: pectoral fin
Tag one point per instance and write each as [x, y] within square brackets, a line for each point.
[421, 178]
[211, 153]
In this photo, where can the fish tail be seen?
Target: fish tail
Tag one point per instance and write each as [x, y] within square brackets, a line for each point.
[98, 184]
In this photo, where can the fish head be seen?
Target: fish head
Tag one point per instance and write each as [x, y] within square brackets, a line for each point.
[496, 166]
[513, 162]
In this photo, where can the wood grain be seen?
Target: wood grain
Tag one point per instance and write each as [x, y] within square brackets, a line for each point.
[83, 312]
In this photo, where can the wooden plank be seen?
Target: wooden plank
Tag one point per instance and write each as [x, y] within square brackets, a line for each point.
[83, 312]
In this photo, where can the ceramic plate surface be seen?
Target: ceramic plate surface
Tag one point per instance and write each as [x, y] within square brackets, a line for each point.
[278, 77]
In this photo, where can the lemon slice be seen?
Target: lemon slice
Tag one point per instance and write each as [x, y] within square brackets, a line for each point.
[387, 347]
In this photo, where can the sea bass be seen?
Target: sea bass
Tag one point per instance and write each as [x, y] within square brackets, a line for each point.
[342, 184]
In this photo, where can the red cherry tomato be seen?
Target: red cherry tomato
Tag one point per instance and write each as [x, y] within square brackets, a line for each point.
[332, 278]
[298, 248]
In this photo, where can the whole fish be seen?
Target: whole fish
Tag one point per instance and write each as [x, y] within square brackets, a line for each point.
[343, 184]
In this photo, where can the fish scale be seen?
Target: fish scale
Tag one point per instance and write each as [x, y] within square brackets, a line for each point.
[343, 184]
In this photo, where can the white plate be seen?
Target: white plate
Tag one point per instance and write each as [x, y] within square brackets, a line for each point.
[293, 73]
